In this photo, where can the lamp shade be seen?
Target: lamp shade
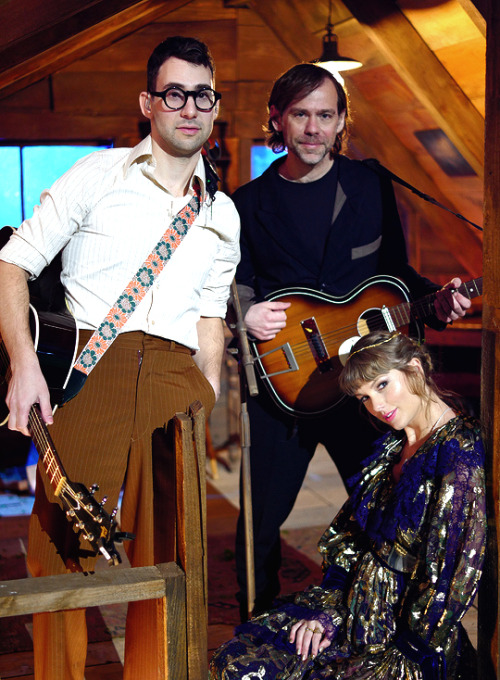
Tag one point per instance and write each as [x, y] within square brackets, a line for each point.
[331, 57]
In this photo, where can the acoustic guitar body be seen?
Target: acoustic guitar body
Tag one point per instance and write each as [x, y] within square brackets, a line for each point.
[301, 365]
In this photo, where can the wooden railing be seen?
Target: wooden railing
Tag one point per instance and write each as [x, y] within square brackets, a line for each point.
[181, 584]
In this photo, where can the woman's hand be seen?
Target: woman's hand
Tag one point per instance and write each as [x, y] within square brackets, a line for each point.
[309, 638]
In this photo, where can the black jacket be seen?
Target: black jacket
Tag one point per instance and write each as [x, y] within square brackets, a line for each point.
[365, 239]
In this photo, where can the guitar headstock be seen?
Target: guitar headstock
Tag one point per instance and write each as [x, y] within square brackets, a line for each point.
[97, 527]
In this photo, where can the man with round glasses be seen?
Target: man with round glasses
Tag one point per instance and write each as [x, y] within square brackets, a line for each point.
[175, 98]
[107, 214]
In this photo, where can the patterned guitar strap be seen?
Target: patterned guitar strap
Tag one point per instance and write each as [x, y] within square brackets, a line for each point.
[134, 292]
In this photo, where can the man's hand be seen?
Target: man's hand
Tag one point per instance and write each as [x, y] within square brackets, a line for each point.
[450, 305]
[265, 319]
[27, 387]
[309, 638]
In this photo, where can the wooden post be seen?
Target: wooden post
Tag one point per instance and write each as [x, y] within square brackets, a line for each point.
[191, 533]
[488, 645]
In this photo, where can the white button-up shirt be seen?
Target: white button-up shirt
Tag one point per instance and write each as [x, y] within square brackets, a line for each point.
[106, 214]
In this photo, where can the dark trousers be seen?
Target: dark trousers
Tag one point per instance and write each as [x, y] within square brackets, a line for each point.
[281, 449]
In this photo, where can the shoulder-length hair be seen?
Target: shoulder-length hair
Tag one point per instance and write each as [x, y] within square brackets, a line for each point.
[297, 83]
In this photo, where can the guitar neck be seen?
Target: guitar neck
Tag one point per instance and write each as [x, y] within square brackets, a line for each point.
[406, 312]
[47, 451]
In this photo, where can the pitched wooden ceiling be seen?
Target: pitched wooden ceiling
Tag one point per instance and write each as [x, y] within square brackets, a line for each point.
[417, 102]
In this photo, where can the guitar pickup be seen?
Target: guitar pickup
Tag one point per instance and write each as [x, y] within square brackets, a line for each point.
[316, 344]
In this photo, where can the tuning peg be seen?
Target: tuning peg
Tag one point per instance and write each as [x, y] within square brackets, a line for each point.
[113, 513]
[93, 489]
[70, 513]
[104, 499]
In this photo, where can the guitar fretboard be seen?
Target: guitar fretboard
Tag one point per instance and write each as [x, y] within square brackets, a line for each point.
[46, 449]
[406, 312]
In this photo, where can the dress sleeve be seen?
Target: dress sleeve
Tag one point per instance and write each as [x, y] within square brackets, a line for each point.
[448, 580]
[456, 542]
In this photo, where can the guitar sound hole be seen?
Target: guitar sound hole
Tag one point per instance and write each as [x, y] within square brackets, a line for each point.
[371, 320]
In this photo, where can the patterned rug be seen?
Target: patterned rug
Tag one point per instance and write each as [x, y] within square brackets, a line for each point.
[297, 572]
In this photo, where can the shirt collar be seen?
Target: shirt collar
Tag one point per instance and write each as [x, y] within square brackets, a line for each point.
[143, 152]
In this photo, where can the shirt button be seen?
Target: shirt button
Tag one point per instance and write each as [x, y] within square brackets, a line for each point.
[152, 323]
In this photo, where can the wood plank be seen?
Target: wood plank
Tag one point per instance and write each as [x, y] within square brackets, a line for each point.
[191, 518]
[19, 19]
[425, 75]
[263, 58]
[477, 12]
[174, 606]
[197, 414]
[131, 52]
[80, 590]
[279, 15]
[488, 638]
[84, 43]
[35, 27]
[46, 127]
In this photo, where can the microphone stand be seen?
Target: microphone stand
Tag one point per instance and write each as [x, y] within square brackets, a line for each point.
[248, 385]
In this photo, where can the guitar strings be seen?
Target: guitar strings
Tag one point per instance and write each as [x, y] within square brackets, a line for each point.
[5, 363]
[403, 311]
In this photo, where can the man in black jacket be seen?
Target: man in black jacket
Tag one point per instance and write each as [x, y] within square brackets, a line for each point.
[319, 220]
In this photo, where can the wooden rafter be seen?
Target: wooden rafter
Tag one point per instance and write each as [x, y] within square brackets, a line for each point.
[84, 43]
[476, 12]
[424, 74]
[489, 614]
[288, 28]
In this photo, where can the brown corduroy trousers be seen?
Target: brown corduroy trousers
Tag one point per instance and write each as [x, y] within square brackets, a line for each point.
[105, 436]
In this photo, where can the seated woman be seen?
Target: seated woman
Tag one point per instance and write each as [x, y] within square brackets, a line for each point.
[402, 560]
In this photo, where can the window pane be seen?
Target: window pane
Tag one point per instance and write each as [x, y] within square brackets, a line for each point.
[42, 165]
[10, 186]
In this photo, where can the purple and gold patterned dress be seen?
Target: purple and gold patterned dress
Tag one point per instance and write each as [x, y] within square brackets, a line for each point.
[401, 562]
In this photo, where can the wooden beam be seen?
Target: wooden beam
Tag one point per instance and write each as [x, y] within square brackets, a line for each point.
[285, 23]
[84, 43]
[476, 12]
[80, 590]
[424, 74]
[40, 26]
[488, 639]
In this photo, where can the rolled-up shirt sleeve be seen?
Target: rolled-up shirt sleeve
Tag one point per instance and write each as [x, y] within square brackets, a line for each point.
[58, 216]
[215, 291]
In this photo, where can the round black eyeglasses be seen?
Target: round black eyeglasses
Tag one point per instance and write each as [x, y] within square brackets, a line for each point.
[175, 98]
